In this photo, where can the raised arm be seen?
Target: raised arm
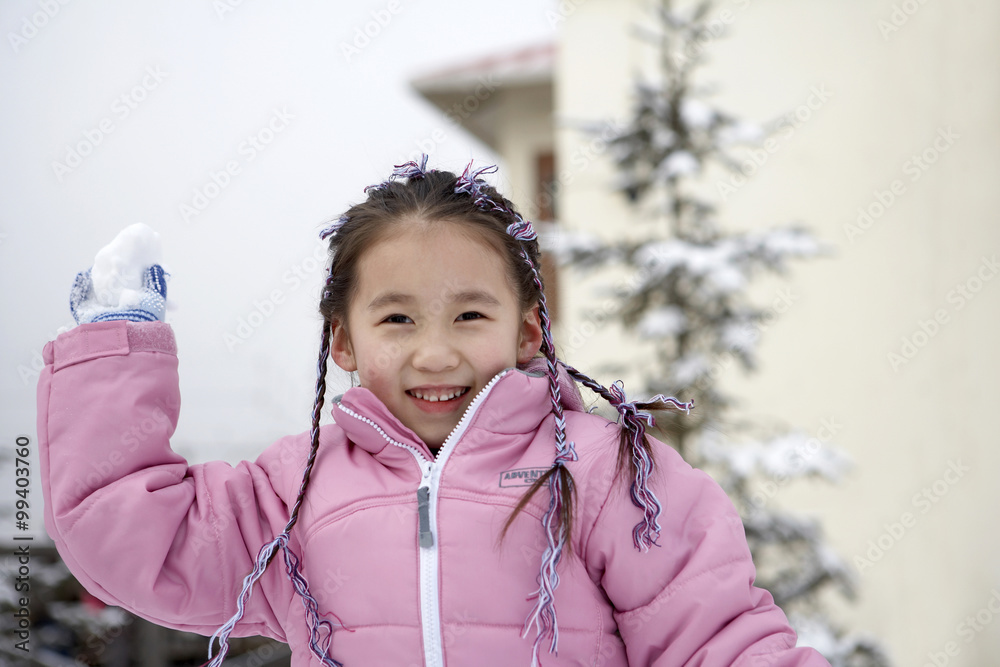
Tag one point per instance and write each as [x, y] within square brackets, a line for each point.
[134, 523]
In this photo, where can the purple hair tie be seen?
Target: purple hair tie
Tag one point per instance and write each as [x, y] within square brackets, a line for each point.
[522, 230]
[408, 170]
[333, 227]
[634, 420]
[471, 184]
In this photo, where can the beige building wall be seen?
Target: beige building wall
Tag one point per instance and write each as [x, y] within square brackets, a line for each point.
[523, 132]
[903, 125]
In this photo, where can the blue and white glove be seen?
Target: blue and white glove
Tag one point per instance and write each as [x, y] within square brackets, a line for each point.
[86, 307]
[125, 283]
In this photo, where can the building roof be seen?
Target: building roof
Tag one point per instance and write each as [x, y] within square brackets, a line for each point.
[530, 65]
[466, 92]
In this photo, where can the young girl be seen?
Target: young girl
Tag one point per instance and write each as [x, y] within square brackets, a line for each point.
[464, 509]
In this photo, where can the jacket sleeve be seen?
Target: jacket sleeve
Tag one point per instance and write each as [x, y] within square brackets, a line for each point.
[691, 600]
[134, 523]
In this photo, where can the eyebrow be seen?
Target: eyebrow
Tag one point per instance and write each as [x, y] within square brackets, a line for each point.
[466, 297]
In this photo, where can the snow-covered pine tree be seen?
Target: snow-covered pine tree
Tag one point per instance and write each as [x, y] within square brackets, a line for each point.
[688, 299]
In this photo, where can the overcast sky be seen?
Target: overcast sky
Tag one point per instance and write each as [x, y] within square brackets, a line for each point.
[116, 112]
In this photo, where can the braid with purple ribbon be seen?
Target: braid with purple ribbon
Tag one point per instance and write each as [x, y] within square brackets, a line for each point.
[634, 419]
[320, 629]
[406, 170]
[560, 482]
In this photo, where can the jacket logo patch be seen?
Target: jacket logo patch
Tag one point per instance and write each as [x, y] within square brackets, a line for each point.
[521, 476]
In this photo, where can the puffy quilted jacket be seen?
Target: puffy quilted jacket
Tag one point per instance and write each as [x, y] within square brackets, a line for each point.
[171, 542]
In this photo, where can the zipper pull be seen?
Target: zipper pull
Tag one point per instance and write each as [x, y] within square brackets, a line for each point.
[423, 511]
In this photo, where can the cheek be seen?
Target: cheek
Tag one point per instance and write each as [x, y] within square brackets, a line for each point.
[374, 379]
[377, 362]
[500, 354]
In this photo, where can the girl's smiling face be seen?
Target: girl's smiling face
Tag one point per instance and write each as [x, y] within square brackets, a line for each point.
[433, 319]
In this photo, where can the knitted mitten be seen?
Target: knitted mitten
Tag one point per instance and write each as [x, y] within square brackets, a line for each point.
[125, 283]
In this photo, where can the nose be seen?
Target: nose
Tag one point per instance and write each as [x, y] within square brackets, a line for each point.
[435, 354]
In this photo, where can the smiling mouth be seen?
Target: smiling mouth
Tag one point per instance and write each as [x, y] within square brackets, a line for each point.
[438, 396]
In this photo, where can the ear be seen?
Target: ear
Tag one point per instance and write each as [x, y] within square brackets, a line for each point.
[529, 340]
[340, 348]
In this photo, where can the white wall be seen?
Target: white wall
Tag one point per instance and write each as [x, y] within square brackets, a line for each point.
[889, 97]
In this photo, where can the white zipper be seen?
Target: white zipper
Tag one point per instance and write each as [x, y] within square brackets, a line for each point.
[429, 599]
[430, 602]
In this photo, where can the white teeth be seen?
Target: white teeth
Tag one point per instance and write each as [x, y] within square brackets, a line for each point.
[434, 398]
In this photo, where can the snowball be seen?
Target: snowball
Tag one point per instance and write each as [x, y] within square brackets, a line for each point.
[120, 267]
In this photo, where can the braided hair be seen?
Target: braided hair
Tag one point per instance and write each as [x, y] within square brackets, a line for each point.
[413, 192]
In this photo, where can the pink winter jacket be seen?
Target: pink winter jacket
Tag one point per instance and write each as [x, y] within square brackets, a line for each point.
[142, 529]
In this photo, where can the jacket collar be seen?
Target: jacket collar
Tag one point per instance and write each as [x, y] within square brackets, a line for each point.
[516, 403]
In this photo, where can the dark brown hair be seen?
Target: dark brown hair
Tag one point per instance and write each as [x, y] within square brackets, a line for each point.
[432, 199]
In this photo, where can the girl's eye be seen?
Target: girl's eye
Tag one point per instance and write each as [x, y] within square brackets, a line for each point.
[397, 319]
[472, 315]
